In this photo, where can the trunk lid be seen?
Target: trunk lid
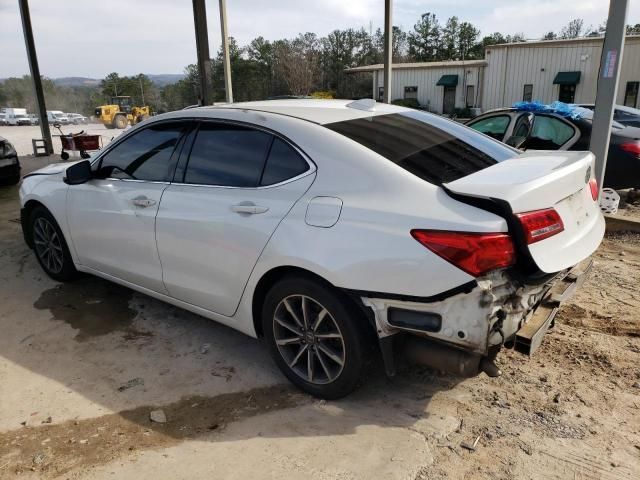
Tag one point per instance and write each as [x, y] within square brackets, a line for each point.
[539, 180]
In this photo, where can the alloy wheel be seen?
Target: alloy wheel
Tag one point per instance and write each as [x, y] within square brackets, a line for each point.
[309, 339]
[48, 245]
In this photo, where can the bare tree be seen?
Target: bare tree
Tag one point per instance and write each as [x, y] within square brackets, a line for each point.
[573, 29]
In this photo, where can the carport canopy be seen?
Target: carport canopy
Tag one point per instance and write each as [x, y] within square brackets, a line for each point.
[567, 78]
[448, 81]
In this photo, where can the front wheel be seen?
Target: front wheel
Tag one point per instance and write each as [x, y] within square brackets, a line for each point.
[50, 246]
[315, 336]
[120, 122]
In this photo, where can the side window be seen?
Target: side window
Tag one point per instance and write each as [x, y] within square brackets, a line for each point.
[523, 125]
[227, 155]
[283, 163]
[549, 133]
[144, 156]
[495, 126]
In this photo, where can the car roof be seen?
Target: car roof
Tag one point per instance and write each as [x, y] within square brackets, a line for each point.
[314, 110]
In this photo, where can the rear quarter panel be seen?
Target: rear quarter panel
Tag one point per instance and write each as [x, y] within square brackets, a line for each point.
[370, 247]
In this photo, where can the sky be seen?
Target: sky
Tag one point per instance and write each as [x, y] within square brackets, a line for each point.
[91, 38]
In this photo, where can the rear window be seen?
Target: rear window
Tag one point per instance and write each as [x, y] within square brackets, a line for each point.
[433, 148]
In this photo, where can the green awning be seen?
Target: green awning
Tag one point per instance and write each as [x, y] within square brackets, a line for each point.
[448, 81]
[567, 78]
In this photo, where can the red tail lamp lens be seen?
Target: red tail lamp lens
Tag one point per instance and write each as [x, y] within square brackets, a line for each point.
[540, 224]
[475, 253]
[593, 185]
[633, 148]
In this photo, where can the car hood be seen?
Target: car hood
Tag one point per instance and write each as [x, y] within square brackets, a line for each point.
[52, 169]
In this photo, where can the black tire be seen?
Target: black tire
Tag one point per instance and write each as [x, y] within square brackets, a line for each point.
[62, 271]
[13, 180]
[351, 346]
[64, 155]
[120, 122]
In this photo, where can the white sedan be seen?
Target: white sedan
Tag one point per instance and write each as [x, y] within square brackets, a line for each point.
[336, 230]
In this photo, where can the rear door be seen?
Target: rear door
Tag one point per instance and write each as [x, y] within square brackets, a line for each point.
[217, 216]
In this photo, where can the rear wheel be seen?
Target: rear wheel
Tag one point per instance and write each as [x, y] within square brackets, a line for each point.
[50, 246]
[315, 336]
[120, 122]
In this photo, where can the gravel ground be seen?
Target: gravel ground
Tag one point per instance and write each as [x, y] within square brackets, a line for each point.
[83, 366]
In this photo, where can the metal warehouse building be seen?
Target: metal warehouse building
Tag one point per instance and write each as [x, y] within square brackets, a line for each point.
[565, 70]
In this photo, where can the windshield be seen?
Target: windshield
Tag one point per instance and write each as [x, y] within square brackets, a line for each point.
[431, 147]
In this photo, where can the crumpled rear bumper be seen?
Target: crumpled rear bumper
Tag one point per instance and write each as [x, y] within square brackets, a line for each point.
[502, 310]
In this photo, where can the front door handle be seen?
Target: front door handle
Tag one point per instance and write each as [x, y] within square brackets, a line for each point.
[143, 201]
[248, 208]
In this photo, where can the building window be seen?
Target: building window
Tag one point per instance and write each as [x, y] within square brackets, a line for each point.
[380, 93]
[567, 93]
[411, 92]
[527, 93]
[631, 94]
[471, 96]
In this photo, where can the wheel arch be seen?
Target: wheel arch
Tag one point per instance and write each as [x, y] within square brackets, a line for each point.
[29, 206]
[271, 277]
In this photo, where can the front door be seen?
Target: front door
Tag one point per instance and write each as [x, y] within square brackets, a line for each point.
[112, 218]
[449, 102]
[213, 225]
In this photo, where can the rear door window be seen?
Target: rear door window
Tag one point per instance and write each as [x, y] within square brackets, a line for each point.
[495, 126]
[549, 133]
[227, 155]
[283, 163]
[431, 147]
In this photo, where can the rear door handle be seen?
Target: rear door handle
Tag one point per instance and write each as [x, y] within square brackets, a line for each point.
[143, 202]
[248, 208]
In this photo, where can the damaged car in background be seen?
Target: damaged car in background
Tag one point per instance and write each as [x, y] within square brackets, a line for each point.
[335, 230]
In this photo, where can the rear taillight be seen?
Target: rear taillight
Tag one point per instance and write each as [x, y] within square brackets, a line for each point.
[540, 224]
[593, 185]
[632, 148]
[475, 253]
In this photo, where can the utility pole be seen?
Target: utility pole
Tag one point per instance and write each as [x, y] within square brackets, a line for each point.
[610, 61]
[202, 49]
[225, 52]
[388, 51]
[35, 75]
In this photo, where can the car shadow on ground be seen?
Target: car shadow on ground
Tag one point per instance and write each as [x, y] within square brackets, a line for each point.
[92, 356]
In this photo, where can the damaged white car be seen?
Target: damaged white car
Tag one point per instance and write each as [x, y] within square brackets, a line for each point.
[333, 229]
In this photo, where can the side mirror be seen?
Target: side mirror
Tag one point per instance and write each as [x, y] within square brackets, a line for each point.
[78, 173]
[515, 141]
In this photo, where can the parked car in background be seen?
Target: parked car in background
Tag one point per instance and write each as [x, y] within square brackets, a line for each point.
[627, 116]
[33, 119]
[331, 228]
[16, 116]
[77, 119]
[56, 116]
[529, 130]
[3, 119]
[9, 163]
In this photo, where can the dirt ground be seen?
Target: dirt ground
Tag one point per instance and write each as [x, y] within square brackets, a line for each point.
[83, 365]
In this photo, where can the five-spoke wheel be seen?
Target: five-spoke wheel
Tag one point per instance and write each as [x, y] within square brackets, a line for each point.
[309, 339]
[49, 244]
[315, 335]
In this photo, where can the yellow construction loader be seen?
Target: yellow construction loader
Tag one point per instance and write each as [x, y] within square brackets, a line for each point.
[121, 113]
